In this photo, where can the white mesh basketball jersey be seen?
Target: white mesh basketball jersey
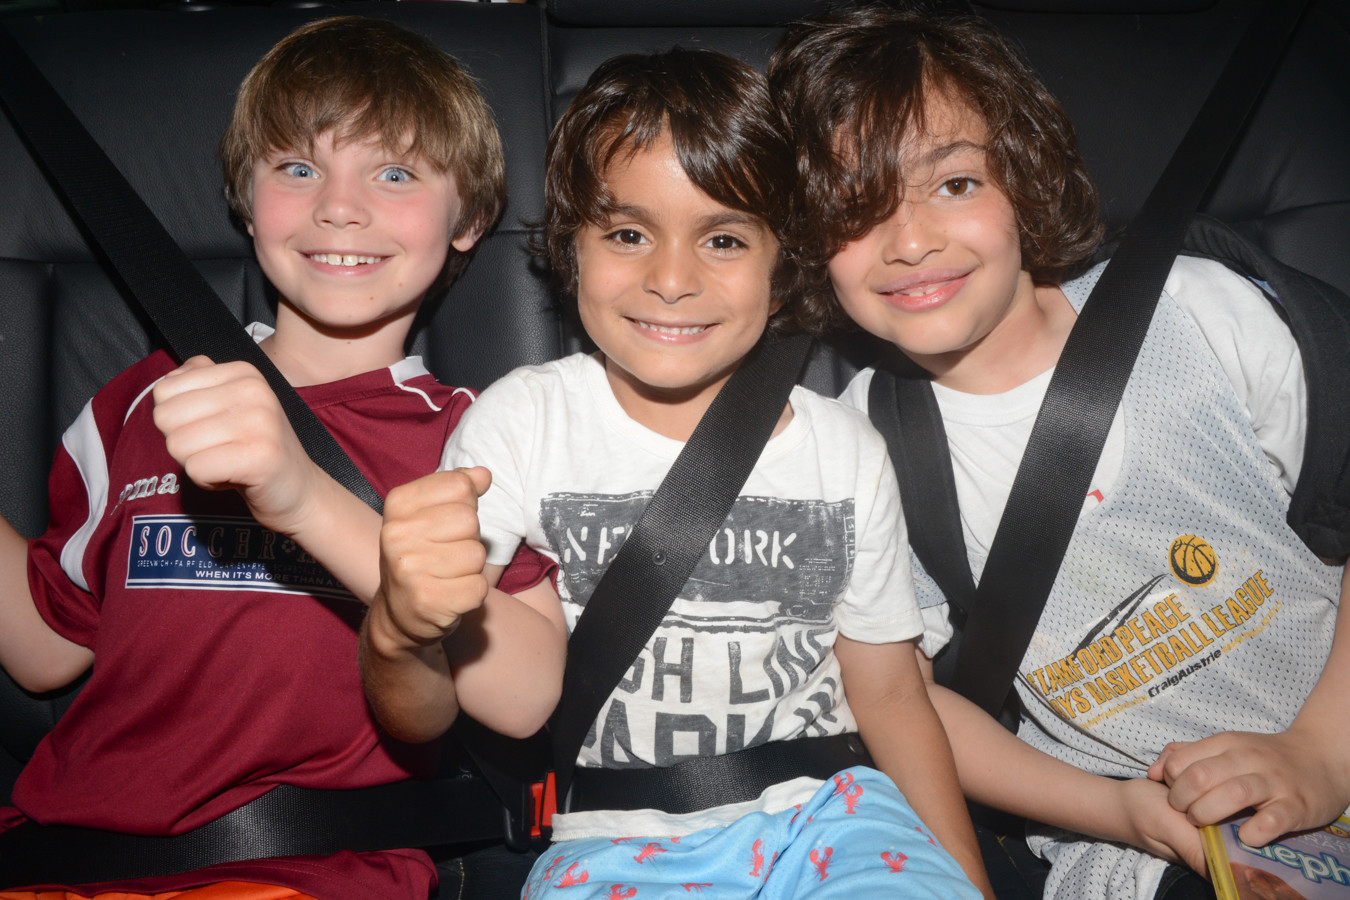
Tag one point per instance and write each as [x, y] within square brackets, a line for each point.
[1185, 605]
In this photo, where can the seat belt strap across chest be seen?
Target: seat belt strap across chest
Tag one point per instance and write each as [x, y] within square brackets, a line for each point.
[672, 534]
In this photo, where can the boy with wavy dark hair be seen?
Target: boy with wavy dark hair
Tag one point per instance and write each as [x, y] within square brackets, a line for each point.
[668, 181]
[946, 209]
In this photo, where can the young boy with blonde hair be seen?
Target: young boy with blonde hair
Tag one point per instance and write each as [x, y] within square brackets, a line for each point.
[206, 567]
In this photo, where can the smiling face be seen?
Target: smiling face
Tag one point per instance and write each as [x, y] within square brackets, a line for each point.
[674, 288]
[942, 277]
[352, 237]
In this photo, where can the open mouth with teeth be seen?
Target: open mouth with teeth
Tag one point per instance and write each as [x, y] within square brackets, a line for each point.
[344, 259]
[670, 329]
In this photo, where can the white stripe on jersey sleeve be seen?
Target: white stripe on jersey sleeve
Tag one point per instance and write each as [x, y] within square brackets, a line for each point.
[85, 446]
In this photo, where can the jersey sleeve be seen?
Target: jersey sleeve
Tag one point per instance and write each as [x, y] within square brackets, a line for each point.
[68, 564]
[63, 597]
[1255, 349]
[934, 608]
[527, 568]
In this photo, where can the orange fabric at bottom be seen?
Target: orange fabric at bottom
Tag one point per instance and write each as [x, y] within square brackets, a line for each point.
[224, 890]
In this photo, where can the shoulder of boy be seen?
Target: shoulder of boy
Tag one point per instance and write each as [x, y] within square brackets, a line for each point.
[855, 392]
[842, 421]
[516, 386]
[505, 410]
[131, 387]
[1200, 286]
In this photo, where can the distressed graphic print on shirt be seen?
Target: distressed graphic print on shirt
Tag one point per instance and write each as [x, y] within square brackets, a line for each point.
[750, 632]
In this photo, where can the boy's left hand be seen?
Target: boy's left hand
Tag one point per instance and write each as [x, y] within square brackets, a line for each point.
[1152, 824]
[225, 426]
[1293, 780]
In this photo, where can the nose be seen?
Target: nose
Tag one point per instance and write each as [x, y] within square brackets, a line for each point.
[672, 273]
[912, 233]
[341, 203]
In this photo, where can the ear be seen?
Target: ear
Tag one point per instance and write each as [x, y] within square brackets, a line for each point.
[464, 242]
[777, 298]
[249, 226]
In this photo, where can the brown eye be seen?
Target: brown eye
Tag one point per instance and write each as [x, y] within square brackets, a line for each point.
[956, 187]
[628, 236]
[725, 242]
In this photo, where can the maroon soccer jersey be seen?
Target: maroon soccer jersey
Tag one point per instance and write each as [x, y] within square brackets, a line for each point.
[225, 655]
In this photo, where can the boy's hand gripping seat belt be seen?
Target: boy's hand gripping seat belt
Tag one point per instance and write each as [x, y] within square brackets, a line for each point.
[286, 821]
[996, 621]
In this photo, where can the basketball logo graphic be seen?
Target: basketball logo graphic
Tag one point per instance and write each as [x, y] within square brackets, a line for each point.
[1193, 560]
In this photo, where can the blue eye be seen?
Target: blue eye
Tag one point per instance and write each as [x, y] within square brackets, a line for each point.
[396, 175]
[298, 170]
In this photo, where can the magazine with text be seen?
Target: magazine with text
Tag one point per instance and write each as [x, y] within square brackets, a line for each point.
[1310, 865]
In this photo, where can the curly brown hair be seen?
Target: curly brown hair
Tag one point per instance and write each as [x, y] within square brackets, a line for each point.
[361, 78]
[855, 85]
[726, 132]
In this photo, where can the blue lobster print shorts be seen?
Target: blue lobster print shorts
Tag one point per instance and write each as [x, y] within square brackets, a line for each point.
[855, 838]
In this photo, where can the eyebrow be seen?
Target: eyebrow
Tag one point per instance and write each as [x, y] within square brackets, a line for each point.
[938, 154]
[716, 220]
[733, 217]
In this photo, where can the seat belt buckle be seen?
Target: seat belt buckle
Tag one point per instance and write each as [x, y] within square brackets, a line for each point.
[545, 796]
[532, 819]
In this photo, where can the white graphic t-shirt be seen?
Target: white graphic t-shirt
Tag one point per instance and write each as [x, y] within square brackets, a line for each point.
[814, 547]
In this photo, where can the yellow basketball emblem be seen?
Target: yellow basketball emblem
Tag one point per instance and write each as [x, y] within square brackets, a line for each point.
[1193, 560]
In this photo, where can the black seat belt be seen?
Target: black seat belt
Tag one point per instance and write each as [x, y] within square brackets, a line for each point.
[672, 534]
[1089, 380]
[287, 821]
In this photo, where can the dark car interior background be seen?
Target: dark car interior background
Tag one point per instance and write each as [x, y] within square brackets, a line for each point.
[154, 86]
